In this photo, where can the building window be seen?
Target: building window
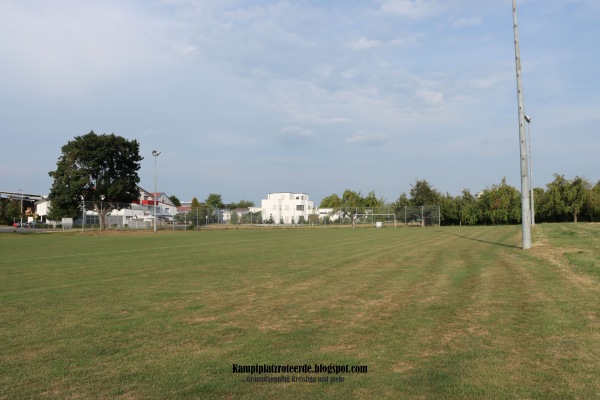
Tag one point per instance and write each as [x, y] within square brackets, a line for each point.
[300, 207]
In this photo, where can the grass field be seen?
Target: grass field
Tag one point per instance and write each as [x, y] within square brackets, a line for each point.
[433, 313]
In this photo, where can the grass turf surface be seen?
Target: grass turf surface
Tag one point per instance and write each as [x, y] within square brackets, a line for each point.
[433, 313]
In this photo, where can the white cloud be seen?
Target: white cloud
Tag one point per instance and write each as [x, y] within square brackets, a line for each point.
[364, 44]
[297, 131]
[407, 40]
[415, 9]
[296, 136]
[430, 97]
[185, 48]
[463, 22]
[369, 139]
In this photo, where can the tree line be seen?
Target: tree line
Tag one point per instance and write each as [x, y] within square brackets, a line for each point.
[562, 200]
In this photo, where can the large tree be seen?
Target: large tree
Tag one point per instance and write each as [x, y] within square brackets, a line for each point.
[500, 205]
[566, 197]
[10, 210]
[422, 194]
[592, 206]
[332, 201]
[101, 169]
[577, 195]
[468, 208]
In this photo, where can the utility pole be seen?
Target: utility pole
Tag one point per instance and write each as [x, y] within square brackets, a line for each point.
[525, 209]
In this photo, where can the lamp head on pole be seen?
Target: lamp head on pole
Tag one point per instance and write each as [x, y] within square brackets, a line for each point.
[155, 153]
[527, 118]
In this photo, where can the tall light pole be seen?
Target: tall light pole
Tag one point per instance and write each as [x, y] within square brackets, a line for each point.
[525, 210]
[21, 190]
[100, 217]
[528, 120]
[82, 213]
[155, 154]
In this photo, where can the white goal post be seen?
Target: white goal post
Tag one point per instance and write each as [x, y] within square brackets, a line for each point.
[373, 218]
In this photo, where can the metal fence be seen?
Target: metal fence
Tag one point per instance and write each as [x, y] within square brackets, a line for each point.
[419, 215]
[122, 216]
[116, 216]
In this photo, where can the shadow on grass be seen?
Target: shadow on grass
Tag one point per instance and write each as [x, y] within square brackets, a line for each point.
[483, 241]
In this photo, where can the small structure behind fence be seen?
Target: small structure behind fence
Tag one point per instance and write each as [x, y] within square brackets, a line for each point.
[419, 215]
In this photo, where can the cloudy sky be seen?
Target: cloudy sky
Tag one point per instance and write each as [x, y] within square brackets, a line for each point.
[248, 97]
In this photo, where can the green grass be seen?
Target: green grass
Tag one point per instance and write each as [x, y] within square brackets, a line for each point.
[433, 313]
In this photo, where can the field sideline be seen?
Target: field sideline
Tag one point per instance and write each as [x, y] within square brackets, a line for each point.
[451, 312]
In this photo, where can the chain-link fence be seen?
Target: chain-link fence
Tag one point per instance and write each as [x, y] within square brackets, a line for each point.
[124, 216]
[383, 216]
[419, 215]
[97, 215]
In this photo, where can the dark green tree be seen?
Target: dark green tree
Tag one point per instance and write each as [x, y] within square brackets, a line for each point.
[10, 211]
[214, 203]
[592, 207]
[234, 218]
[565, 198]
[422, 194]
[553, 205]
[577, 196]
[214, 200]
[175, 201]
[352, 203]
[243, 204]
[500, 204]
[332, 201]
[102, 169]
[468, 208]
[198, 213]
[450, 210]
[373, 204]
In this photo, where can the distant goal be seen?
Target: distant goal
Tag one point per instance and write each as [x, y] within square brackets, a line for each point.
[420, 216]
[374, 220]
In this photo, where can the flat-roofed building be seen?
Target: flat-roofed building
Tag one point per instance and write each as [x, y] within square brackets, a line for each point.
[286, 207]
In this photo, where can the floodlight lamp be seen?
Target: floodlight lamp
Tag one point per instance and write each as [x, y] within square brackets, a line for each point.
[155, 153]
[527, 118]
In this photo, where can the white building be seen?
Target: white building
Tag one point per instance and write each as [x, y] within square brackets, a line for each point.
[286, 207]
[139, 213]
[328, 213]
[226, 214]
[165, 209]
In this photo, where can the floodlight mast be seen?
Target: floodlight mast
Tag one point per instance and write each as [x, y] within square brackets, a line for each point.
[525, 204]
[155, 154]
[528, 119]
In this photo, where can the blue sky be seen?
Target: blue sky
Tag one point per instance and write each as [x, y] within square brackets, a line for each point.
[249, 97]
